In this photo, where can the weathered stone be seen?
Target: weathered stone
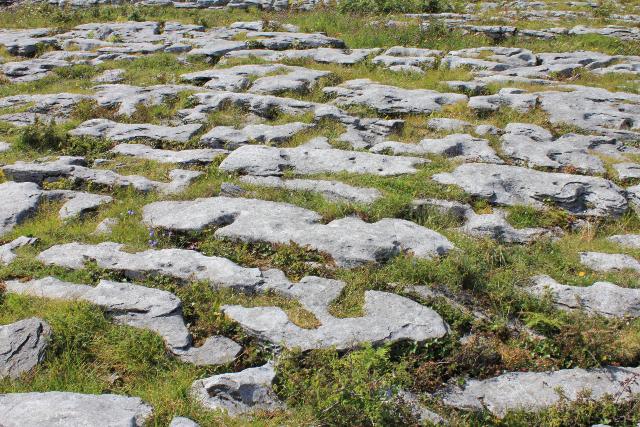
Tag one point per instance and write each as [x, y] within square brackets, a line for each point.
[388, 318]
[517, 99]
[25, 42]
[331, 190]
[239, 393]
[127, 98]
[7, 254]
[139, 307]
[265, 161]
[22, 347]
[31, 69]
[79, 203]
[534, 146]
[602, 298]
[231, 138]
[407, 57]
[512, 185]
[273, 78]
[73, 168]
[57, 106]
[532, 391]
[626, 240]
[202, 156]
[285, 40]
[19, 202]
[322, 54]
[598, 261]
[390, 99]
[462, 146]
[63, 409]
[110, 76]
[627, 170]
[350, 241]
[106, 225]
[493, 225]
[513, 56]
[182, 264]
[125, 132]
[4, 147]
[448, 125]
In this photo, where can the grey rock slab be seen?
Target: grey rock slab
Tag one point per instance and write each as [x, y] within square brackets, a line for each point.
[127, 98]
[59, 106]
[513, 185]
[420, 412]
[462, 146]
[24, 42]
[350, 241]
[528, 145]
[534, 391]
[79, 204]
[19, 202]
[594, 109]
[7, 251]
[448, 125]
[126, 132]
[390, 99]
[493, 225]
[63, 409]
[603, 262]
[240, 392]
[231, 138]
[388, 318]
[272, 78]
[183, 422]
[331, 190]
[182, 264]
[265, 161]
[4, 147]
[22, 347]
[286, 40]
[361, 132]
[73, 168]
[627, 170]
[140, 307]
[216, 48]
[31, 69]
[513, 56]
[601, 298]
[110, 76]
[106, 225]
[324, 55]
[517, 99]
[626, 240]
[201, 156]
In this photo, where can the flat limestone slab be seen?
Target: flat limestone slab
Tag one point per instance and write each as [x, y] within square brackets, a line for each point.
[388, 318]
[62, 409]
[512, 185]
[265, 161]
[533, 391]
[350, 241]
[182, 264]
[603, 298]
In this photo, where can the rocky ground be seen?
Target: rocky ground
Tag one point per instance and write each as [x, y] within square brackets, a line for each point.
[308, 213]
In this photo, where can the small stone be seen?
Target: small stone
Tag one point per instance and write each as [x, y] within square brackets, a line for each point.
[239, 393]
[22, 347]
[7, 251]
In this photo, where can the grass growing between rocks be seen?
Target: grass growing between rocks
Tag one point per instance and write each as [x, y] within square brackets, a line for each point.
[516, 331]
